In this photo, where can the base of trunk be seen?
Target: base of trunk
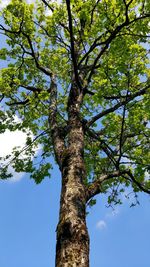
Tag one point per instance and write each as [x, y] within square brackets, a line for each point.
[72, 248]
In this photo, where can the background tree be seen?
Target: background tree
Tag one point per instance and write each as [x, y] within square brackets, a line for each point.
[78, 80]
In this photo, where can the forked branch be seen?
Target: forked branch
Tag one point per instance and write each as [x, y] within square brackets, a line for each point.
[96, 187]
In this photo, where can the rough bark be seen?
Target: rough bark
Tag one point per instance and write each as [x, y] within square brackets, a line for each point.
[56, 135]
[72, 237]
[72, 247]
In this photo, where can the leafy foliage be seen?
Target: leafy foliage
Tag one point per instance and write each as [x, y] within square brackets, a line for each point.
[109, 56]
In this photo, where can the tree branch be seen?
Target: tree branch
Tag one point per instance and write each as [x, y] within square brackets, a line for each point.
[56, 133]
[1, 98]
[33, 54]
[107, 42]
[73, 53]
[121, 141]
[93, 9]
[44, 70]
[47, 4]
[139, 185]
[108, 151]
[59, 38]
[17, 103]
[31, 88]
[96, 187]
[52, 10]
[118, 105]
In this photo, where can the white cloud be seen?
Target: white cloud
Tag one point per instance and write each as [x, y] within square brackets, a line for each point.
[29, 1]
[147, 176]
[101, 225]
[4, 3]
[17, 176]
[112, 213]
[8, 141]
[48, 12]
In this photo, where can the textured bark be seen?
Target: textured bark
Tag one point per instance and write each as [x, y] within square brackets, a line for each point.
[72, 236]
[56, 133]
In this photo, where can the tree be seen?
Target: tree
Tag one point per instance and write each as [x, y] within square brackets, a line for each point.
[77, 78]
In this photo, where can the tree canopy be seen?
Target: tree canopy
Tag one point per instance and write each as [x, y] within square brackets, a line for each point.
[102, 46]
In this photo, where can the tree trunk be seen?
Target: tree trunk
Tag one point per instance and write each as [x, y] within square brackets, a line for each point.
[72, 247]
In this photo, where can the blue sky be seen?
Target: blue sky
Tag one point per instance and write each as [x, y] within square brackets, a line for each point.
[28, 219]
[29, 216]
